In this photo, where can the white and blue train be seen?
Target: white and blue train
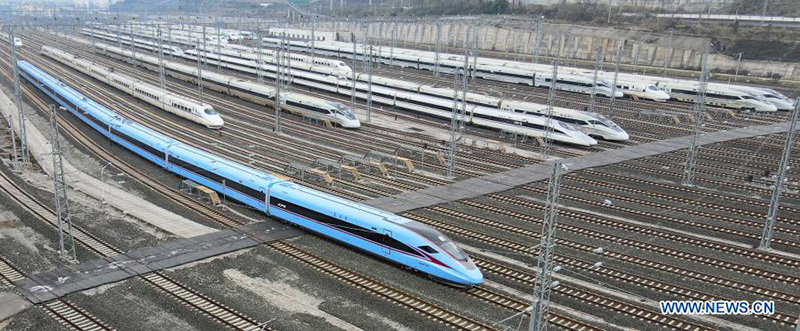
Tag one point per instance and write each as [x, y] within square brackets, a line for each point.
[386, 235]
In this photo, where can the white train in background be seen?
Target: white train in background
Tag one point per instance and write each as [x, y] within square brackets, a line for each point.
[574, 79]
[139, 42]
[717, 95]
[569, 78]
[298, 103]
[593, 124]
[201, 113]
[4, 38]
[526, 120]
[530, 76]
[298, 61]
[780, 101]
[532, 125]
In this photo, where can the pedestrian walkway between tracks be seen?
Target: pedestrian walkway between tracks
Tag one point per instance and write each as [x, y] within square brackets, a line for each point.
[503, 181]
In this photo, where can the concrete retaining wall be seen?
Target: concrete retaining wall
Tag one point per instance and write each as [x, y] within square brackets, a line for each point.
[640, 48]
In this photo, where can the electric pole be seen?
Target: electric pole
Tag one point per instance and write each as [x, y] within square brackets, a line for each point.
[353, 81]
[551, 99]
[616, 76]
[775, 202]
[23, 157]
[369, 84]
[279, 79]
[668, 55]
[699, 115]
[538, 39]
[438, 48]
[66, 243]
[544, 278]
[597, 61]
[161, 73]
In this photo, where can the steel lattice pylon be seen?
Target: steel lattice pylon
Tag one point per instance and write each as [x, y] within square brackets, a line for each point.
[542, 289]
[551, 99]
[597, 63]
[66, 243]
[699, 116]
[22, 157]
[458, 116]
[775, 202]
[161, 73]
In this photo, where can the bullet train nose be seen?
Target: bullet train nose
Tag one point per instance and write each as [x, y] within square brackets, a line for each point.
[661, 96]
[215, 122]
[618, 94]
[622, 136]
[351, 124]
[473, 277]
[769, 107]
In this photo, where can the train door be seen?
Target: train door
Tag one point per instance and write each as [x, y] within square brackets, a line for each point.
[387, 235]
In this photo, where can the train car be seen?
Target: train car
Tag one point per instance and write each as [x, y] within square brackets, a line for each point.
[301, 62]
[167, 49]
[201, 113]
[388, 236]
[716, 95]
[522, 124]
[251, 53]
[575, 83]
[631, 85]
[593, 124]
[17, 40]
[770, 96]
[535, 76]
[301, 104]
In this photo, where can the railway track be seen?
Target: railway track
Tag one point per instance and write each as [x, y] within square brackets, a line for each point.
[714, 178]
[789, 298]
[381, 290]
[621, 276]
[184, 135]
[203, 304]
[681, 200]
[345, 100]
[677, 221]
[611, 304]
[233, 319]
[529, 279]
[303, 131]
[690, 190]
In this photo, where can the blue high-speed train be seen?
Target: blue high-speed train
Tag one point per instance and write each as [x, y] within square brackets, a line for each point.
[386, 235]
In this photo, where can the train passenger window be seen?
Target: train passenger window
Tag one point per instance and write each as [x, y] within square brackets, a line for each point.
[429, 249]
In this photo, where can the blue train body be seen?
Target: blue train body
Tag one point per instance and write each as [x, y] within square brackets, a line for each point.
[386, 235]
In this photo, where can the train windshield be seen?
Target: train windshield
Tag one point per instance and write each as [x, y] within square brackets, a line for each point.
[567, 126]
[210, 111]
[607, 122]
[439, 239]
[747, 97]
[343, 110]
[653, 88]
